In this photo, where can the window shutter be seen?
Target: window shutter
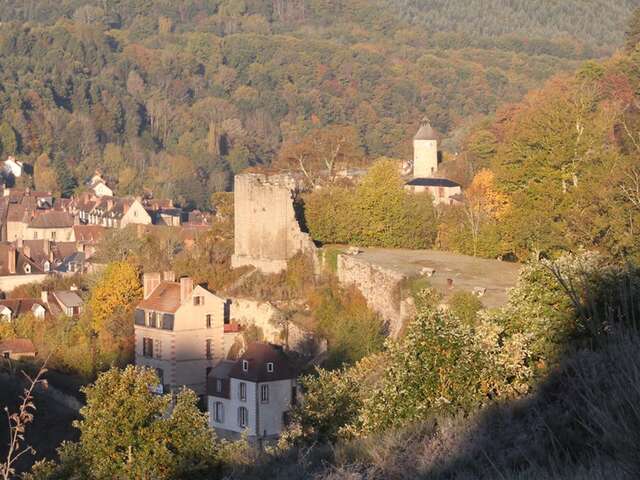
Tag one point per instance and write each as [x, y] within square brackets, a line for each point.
[167, 321]
[139, 317]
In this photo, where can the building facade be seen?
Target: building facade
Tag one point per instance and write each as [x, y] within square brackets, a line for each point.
[254, 393]
[179, 331]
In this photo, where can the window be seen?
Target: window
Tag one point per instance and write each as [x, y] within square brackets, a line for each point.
[147, 347]
[218, 385]
[243, 417]
[208, 320]
[245, 365]
[264, 393]
[27, 268]
[160, 374]
[152, 319]
[53, 235]
[219, 412]
[243, 391]
[198, 300]
[6, 355]
[209, 348]
[35, 235]
[270, 367]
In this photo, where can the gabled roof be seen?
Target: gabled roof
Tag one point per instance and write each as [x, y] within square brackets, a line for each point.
[89, 233]
[432, 182]
[68, 298]
[164, 298]
[20, 306]
[52, 219]
[17, 345]
[259, 354]
[426, 131]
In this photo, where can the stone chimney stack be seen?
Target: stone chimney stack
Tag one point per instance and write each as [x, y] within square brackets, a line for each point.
[169, 276]
[150, 282]
[12, 259]
[186, 287]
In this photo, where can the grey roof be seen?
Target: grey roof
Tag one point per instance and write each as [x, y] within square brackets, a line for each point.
[426, 131]
[432, 182]
[68, 298]
[222, 369]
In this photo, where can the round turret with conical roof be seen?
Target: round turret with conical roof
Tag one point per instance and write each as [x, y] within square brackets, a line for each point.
[425, 150]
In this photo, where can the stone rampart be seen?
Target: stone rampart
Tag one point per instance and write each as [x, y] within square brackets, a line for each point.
[381, 288]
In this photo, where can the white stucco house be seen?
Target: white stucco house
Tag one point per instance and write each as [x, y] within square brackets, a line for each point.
[254, 393]
[13, 167]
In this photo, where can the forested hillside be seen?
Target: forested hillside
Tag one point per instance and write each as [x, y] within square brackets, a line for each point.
[178, 96]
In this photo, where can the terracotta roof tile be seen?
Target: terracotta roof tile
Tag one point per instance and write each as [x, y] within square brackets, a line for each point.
[17, 345]
[165, 298]
[52, 219]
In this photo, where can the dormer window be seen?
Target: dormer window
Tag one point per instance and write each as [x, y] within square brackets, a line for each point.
[270, 367]
[245, 365]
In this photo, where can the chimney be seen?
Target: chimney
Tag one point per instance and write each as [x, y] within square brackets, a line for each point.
[150, 282]
[186, 287]
[44, 296]
[169, 276]
[12, 258]
[46, 246]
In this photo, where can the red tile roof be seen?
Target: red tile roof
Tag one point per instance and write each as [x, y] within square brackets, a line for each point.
[165, 298]
[89, 233]
[52, 219]
[17, 345]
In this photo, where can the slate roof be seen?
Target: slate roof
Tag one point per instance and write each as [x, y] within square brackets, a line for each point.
[68, 298]
[426, 131]
[164, 298]
[259, 354]
[432, 182]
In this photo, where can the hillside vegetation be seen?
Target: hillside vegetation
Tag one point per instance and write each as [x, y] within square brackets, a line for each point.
[177, 96]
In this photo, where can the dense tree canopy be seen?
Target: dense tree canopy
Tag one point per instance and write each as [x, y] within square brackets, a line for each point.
[177, 96]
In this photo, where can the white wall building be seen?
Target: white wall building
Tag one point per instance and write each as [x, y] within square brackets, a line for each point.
[14, 167]
[425, 168]
[254, 393]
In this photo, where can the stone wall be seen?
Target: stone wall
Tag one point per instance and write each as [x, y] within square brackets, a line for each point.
[381, 288]
[266, 317]
[9, 282]
[267, 233]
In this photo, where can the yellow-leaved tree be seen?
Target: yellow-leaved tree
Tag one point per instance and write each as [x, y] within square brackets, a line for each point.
[483, 203]
[117, 290]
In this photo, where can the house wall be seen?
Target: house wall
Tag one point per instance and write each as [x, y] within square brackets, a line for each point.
[267, 233]
[9, 282]
[101, 190]
[262, 417]
[135, 214]
[16, 231]
[439, 196]
[65, 234]
[183, 349]
[425, 158]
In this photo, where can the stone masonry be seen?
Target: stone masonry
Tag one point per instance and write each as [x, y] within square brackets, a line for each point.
[267, 232]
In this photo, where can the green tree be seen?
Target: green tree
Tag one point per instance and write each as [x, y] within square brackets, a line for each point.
[128, 432]
[8, 139]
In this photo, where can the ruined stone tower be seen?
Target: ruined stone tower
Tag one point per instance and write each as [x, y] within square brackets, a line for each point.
[425, 151]
[267, 233]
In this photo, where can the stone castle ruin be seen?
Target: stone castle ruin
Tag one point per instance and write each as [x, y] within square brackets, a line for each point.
[267, 228]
